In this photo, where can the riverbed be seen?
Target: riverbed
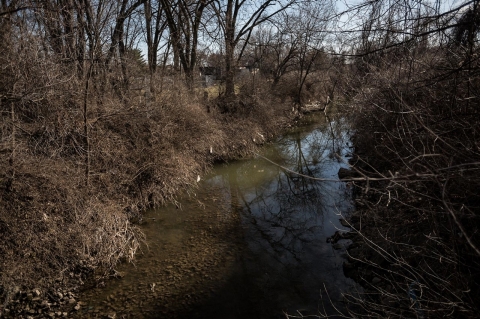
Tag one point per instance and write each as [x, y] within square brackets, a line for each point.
[250, 242]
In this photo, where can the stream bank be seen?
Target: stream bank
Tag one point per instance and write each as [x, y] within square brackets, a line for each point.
[201, 263]
[60, 222]
[250, 242]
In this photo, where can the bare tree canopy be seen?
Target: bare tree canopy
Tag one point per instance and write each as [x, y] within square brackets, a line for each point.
[237, 20]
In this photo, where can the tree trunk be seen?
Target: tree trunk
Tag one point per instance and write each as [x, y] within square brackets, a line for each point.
[229, 71]
[189, 78]
[229, 51]
[153, 39]
[81, 47]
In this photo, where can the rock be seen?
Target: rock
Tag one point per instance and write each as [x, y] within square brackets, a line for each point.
[340, 235]
[354, 250]
[344, 255]
[349, 235]
[71, 301]
[354, 218]
[45, 304]
[334, 238]
[354, 245]
[349, 270]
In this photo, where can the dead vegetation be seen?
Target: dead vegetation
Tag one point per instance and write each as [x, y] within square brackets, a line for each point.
[417, 147]
[73, 184]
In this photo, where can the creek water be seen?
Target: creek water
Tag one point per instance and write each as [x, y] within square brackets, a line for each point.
[250, 242]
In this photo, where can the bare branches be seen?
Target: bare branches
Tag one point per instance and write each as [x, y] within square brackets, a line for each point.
[417, 101]
[237, 20]
[457, 222]
[184, 20]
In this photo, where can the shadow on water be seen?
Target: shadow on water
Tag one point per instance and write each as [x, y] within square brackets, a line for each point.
[250, 244]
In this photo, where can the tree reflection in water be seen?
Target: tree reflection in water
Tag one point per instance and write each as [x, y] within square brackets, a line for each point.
[287, 217]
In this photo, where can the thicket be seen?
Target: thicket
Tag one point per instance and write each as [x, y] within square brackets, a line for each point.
[417, 158]
[81, 158]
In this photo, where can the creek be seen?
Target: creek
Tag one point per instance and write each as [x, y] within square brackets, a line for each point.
[250, 242]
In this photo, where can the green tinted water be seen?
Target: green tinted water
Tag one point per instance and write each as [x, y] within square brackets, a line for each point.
[249, 243]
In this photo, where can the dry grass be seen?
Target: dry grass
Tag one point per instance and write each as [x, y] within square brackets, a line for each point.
[55, 227]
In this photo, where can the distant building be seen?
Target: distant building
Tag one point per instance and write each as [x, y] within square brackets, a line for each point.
[242, 71]
[210, 74]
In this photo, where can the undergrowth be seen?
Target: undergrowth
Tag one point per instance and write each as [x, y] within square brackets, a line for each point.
[70, 200]
[417, 147]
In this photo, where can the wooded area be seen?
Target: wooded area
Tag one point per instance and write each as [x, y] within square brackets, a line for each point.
[109, 107]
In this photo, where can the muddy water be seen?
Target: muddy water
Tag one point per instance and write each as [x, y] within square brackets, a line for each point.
[249, 243]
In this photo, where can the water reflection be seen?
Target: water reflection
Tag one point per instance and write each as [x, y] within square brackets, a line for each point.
[286, 218]
[250, 244]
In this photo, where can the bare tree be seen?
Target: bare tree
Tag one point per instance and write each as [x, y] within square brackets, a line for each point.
[153, 32]
[184, 18]
[237, 20]
[281, 48]
[117, 38]
[308, 26]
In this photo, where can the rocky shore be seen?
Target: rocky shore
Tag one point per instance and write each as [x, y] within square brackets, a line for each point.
[42, 304]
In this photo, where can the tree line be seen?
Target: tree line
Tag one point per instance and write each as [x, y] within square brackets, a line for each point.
[102, 38]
